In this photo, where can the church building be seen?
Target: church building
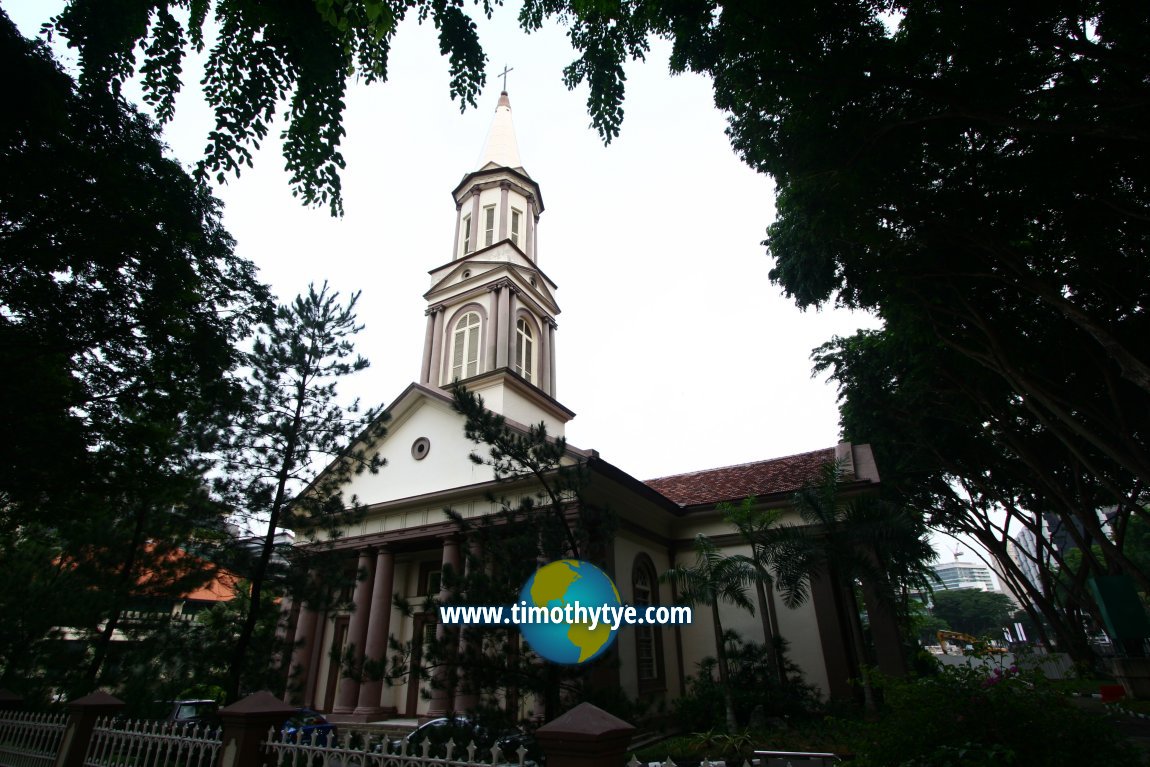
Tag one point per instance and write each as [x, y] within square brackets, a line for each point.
[491, 325]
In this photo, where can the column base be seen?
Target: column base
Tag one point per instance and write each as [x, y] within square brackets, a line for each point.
[371, 714]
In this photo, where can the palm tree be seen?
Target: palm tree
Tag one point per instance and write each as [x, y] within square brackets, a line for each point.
[758, 527]
[864, 540]
[715, 579]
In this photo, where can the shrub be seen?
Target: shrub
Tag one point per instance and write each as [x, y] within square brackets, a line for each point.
[976, 717]
[754, 685]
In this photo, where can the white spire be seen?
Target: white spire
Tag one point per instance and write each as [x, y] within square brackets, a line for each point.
[501, 149]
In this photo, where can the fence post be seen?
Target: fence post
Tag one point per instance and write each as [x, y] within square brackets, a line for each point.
[586, 736]
[246, 724]
[82, 715]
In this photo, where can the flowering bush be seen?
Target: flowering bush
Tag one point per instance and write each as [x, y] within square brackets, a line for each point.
[978, 717]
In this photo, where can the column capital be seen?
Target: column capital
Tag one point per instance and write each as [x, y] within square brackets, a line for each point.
[504, 184]
[433, 309]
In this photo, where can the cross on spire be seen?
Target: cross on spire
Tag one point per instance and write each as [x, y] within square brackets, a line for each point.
[503, 74]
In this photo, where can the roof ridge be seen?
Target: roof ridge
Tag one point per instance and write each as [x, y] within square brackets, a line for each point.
[740, 465]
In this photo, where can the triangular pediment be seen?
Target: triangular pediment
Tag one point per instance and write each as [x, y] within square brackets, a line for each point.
[482, 268]
[425, 450]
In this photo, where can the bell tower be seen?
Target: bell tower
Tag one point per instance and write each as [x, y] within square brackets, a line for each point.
[491, 309]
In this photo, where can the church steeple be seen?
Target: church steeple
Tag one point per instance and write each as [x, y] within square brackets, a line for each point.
[491, 310]
[501, 149]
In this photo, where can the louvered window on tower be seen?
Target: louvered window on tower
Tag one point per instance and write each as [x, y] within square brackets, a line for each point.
[465, 347]
[488, 225]
[516, 217]
[524, 347]
[466, 234]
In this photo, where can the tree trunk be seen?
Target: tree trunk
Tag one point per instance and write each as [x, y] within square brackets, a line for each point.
[244, 640]
[126, 578]
[770, 630]
[859, 643]
[724, 682]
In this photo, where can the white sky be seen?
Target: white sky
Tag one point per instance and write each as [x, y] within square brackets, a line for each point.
[674, 349]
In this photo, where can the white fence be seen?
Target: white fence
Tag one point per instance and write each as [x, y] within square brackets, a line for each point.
[140, 743]
[762, 759]
[30, 740]
[305, 752]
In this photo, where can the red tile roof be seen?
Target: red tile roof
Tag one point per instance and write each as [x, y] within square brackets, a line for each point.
[733, 483]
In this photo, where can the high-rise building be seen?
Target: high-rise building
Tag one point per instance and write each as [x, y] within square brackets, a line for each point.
[962, 575]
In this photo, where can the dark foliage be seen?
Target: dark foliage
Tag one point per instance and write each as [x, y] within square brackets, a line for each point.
[121, 304]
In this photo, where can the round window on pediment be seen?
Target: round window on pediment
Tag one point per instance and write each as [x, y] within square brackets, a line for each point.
[420, 448]
[466, 274]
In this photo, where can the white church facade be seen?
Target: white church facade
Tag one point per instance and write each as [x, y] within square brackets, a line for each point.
[491, 324]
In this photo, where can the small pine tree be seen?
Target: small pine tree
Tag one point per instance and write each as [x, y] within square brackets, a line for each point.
[293, 422]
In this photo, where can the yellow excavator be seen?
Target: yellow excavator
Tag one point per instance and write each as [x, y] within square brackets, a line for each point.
[964, 642]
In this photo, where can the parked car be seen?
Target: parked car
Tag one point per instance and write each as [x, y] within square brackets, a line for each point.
[306, 723]
[201, 711]
[464, 730]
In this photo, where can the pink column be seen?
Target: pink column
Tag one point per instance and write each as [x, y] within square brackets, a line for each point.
[504, 209]
[378, 630]
[457, 244]
[505, 319]
[301, 672]
[545, 356]
[475, 220]
[441, 696]
[551, 357]
[436, 346]
[348, 694]
[492, 326]
[509, 337]
[530, 238]
[428, 344]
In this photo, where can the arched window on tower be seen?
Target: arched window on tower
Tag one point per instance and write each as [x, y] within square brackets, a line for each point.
[648, 653]
[465, 347]
[524, 350]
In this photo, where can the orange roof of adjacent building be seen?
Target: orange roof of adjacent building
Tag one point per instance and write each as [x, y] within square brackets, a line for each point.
[734, 483]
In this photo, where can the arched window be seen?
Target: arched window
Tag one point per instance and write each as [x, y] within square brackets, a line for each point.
[465, 347]
[524, 348]
[648, 653]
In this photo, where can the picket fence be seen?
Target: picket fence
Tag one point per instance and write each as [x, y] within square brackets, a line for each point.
[317, 752]
[34, 740]
[29, 739]
[144, 743]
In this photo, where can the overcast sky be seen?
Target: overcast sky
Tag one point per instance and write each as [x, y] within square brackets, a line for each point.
[674, 349]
